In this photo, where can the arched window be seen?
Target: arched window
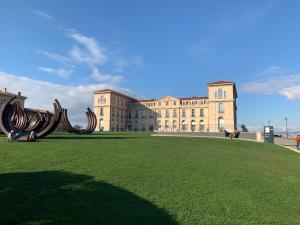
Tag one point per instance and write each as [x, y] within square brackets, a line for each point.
[202, 126]
[221, 125]
[101, 124]
[183, 125]
[167, 125]
[159, 124]
[193, 125]
[174, 113]
[220, 93]
[174, 124]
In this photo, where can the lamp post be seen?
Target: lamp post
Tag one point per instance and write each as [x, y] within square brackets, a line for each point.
[286, 129]
[269, 122]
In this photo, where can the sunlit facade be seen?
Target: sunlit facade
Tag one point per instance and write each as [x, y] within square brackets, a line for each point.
[217, 112]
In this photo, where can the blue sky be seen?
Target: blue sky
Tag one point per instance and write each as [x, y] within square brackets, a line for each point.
[66, 49]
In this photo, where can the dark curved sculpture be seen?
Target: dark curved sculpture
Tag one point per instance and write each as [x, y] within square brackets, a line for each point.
[91, 126]
[13, 117]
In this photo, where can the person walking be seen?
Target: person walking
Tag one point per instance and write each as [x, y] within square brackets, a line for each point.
[298, 141]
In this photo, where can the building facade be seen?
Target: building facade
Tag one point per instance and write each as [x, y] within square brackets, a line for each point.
[214, 113]
[5, 96]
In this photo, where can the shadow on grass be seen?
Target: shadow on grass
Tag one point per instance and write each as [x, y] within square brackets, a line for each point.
[55, 197]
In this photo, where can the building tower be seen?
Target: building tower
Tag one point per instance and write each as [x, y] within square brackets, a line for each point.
[222, 106]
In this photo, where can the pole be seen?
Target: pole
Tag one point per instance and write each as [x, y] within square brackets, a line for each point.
[269, 122]
[286, 129]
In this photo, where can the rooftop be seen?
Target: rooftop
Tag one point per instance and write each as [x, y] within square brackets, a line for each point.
[222, 82]
[3, 91]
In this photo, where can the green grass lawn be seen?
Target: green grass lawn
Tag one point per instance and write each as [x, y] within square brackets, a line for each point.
[136, 179]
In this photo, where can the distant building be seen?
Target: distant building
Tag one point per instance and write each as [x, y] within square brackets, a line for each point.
[5, 96]
[217, 112]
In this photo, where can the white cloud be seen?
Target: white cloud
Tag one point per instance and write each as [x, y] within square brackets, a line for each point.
[56, 57]
[42, 94]
[94, 55]
[275, 80]
[43, 14]
[97, 75]
[61, 72]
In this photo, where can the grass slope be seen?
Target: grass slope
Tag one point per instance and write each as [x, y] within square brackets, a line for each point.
[136, 179]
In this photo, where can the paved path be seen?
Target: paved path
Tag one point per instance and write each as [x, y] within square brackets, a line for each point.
[287, 143]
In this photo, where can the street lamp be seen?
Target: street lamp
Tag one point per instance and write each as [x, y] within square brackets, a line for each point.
[269, 122]
[286, 129]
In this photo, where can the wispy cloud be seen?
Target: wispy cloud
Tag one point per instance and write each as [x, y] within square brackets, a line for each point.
[61, 72]
[121, 63]
[93, 54]
[43, 14]
[88, 52]
[275, 80]
[245, 18]
[56, 57]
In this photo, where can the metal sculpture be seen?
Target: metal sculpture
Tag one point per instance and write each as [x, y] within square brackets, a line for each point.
[21, 122]
[91, 126]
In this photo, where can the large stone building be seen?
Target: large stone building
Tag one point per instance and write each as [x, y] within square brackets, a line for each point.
[217, 112]
[5, 96]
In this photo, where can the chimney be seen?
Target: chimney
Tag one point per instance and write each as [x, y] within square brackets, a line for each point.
[19, 93]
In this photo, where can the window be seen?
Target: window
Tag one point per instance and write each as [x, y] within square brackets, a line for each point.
[174, 124]
[174, 113]
[174, 103]
[113, 112]
[101, 111]
[193, 112]
[167, 124]
[183, 113]
[202, 126]
[221, 108]
[183, 125]
[159, 124]
[101, 125]
[136, 114]
[159, 113]
[102, 100]
[167, 103]
[129, 114]
[220, 93]
[143, 114]
[221, 124]
[193, 125]
[225, 94]
[167, 114]
[201, 112]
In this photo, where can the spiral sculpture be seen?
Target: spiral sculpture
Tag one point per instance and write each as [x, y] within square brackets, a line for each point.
[23, 121]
